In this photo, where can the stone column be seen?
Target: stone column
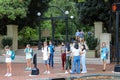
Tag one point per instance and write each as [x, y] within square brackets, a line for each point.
[12, 31]
[106, 37]
[98, 29]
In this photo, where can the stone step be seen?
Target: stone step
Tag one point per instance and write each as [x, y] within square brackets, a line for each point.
[21, 59]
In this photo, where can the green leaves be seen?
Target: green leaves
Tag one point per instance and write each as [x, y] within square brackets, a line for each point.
[13, 9]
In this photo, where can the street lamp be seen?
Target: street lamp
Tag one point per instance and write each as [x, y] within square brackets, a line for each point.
[66, 21]
[39, 43]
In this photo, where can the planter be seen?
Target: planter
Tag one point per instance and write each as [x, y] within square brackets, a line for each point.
[90, 54]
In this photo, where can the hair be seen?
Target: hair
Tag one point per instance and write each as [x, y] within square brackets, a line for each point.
[83, 47]
[7, 47]
[76, 46]
[68, 46]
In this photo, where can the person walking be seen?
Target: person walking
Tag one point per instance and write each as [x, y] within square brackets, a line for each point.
[76, 59]
[8, 61]
[46, 56]
[51, 59]
[63, 54]
[68, 59]
[104, 54]
[83, 59]
[28, 52]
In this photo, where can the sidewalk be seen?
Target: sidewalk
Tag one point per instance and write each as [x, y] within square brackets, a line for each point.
[19, 73]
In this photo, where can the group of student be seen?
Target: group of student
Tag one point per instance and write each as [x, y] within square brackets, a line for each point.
[71, 56]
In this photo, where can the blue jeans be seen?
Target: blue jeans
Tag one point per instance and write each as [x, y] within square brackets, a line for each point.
[83, 62]
[51, 62]
[76, 64]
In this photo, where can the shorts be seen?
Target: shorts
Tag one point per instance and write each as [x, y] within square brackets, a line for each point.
[46, 61]
[8, 60]
[28, 56]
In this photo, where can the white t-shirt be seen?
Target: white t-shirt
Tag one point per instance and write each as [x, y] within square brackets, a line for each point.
[84, 53]
[8, 54]
[75, 52]
[46, 52]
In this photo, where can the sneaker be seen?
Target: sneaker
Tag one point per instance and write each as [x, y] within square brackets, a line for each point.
[66, 72]
[29, 69]
[6, 74]
[9, 74]
[26, 68]
[45, 72]
[84, 72]
[48, 72]
[70, 71]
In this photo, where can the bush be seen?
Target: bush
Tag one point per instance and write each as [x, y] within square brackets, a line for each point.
[91, 42]
[7, 41]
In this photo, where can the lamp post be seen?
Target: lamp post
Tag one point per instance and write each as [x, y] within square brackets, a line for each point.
[39, 43]
[66, 21]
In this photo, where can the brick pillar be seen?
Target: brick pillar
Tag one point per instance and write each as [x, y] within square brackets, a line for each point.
[12, 31]
[98, 29]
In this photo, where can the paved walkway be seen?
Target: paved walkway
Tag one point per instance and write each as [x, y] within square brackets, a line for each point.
[19, 72]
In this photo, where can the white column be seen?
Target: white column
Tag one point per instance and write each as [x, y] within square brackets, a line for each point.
[98, 29]
[12, 31]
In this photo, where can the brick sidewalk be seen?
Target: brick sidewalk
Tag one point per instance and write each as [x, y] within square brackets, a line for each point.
[19, 72]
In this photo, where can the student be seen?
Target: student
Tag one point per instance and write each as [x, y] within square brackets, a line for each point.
[28, 53]
[51, 59]
[83, 59]
[68, 59]
[76, 59]
[8, 61]
[104, 53]
[46, 56]
[63, 54]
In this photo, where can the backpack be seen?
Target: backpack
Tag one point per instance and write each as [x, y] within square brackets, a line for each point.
[12, 55]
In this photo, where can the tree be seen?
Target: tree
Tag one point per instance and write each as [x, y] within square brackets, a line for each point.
[93, 10]
[65, 5]
[13, 9]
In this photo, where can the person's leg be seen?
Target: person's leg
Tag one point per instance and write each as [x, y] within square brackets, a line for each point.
[62, 61]
[83, 61]
[74, 65]
[78, 64]
[9, 69]
[67, 64]
[104, 65]
[52, 61]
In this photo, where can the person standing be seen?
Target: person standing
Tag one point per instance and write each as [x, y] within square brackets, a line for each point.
[46, 56]
[8, 61]
[104, 54]
[63, 54]
[83, 59]
[28, 52]
[51, 59]
[77, 35]
[68, 59]
[76, 59]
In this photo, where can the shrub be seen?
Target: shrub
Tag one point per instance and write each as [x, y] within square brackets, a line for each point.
[91, 42]
[7, 41]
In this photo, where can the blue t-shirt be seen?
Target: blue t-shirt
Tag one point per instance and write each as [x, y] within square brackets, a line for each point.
[51, 49]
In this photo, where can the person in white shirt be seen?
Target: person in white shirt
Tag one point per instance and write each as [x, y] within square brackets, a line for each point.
[46, 55]
[83, 58]
[8, 61]
[28, 53]
[76, 58]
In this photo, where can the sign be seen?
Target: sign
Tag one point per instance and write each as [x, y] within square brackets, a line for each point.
[115, 7]
[45, 32]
